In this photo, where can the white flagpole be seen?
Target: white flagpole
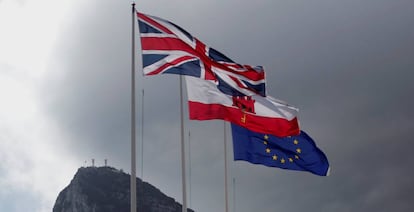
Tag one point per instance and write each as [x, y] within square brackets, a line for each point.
[133, 143]
[142, 136]
[225, 170]
[182, 148]
[189, 169]
[142, 150]
[234, 194]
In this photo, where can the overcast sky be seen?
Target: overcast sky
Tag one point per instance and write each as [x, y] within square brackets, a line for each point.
[347, 65]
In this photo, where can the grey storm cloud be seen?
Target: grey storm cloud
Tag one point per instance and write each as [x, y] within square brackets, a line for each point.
[347, 65]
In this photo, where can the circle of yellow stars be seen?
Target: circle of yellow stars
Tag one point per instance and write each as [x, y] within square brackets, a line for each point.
[275, 157]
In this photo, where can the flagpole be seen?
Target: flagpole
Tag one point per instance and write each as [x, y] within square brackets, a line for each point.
[142, 149]
[142, 136]
[225, 169]
[184, 190]
[189, 170]
[234, 194]
[133, 142]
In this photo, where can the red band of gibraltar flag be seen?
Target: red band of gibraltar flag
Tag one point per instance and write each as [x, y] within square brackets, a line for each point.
[257, 113]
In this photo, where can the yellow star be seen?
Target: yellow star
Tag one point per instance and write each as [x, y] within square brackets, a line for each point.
[296, 142]
[290, 160]
[282, 160]
[266, 137]
[274, 157]
[298, 150]
[297, 157]
[267, 150]
[265, 142]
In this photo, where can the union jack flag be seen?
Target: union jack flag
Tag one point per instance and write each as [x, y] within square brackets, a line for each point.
[167, 48]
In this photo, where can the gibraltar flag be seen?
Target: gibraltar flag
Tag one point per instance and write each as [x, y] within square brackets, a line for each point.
[257, 113]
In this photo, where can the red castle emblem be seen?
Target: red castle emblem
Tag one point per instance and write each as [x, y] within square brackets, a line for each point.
[245, 103]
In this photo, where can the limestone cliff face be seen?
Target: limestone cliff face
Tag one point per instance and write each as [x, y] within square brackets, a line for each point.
[105, 189]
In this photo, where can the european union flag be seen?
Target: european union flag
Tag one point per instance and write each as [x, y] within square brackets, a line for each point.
[292, 152]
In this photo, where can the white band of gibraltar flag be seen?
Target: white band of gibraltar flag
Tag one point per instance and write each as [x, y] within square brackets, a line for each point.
[257, 113]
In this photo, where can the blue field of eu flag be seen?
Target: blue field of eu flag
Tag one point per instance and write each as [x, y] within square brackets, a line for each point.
[293, 152]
